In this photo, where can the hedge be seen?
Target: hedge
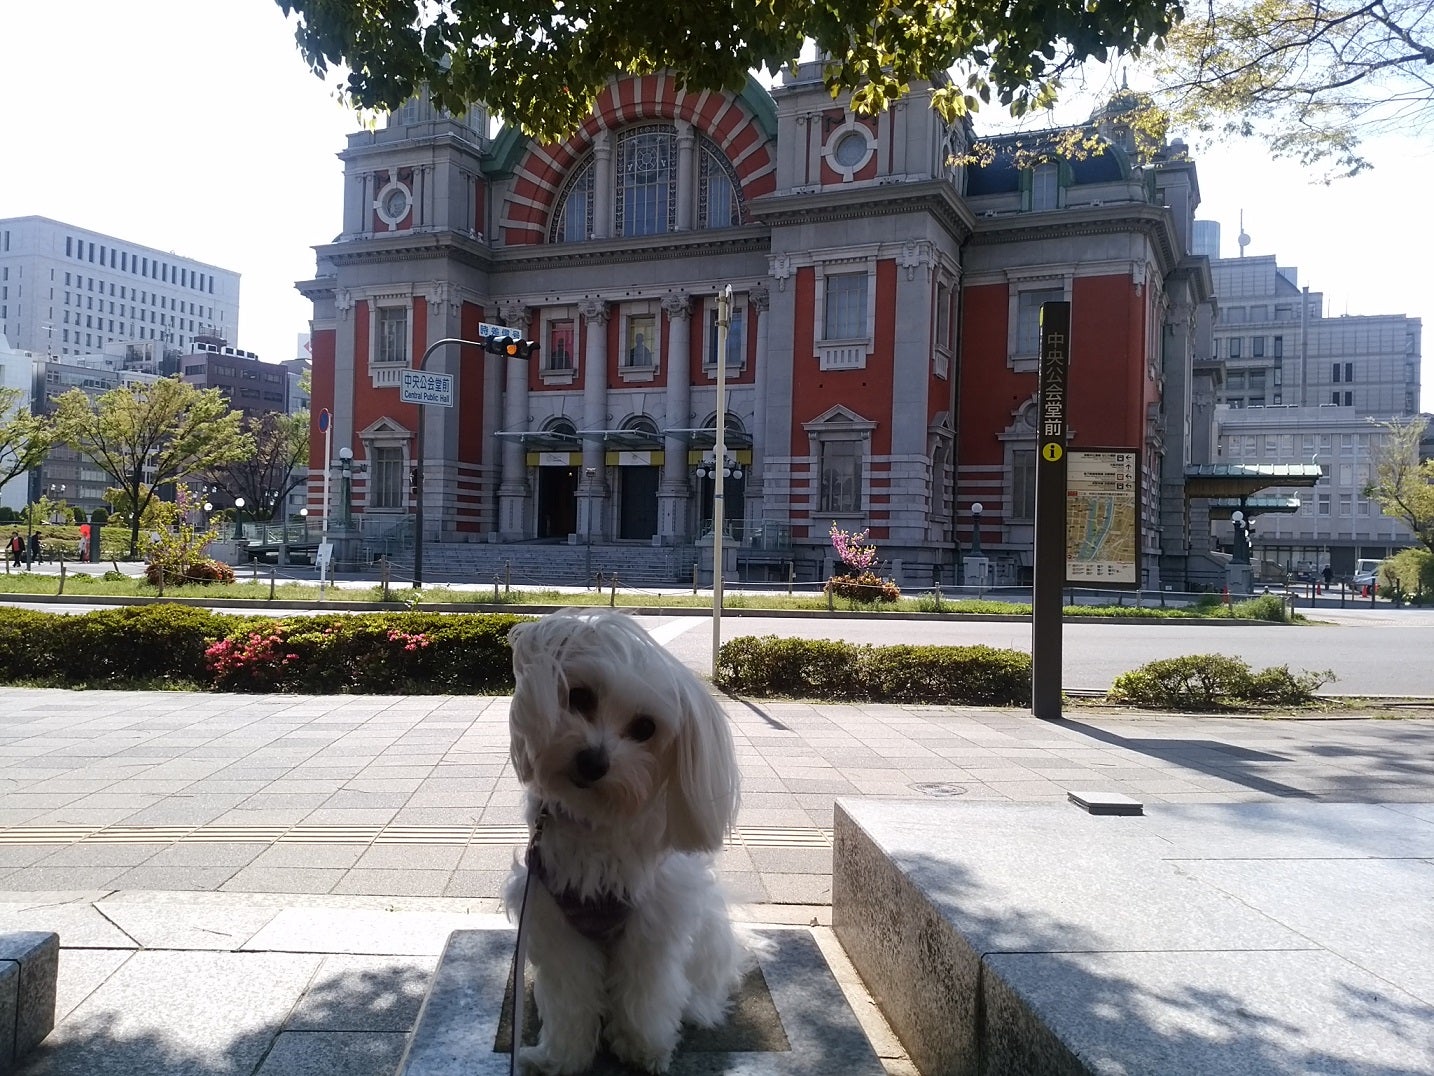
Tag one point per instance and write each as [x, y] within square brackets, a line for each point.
[825, 669]
[154, 645]
[1215, 682]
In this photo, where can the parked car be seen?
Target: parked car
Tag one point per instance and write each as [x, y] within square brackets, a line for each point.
[1363, 579]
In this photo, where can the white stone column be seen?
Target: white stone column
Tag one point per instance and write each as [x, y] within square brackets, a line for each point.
[513, 487]
[592, 486]
[686, 189]
[675, 491]
[602, 185]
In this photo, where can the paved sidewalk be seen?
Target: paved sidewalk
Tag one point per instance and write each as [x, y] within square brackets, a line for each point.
[261, 884]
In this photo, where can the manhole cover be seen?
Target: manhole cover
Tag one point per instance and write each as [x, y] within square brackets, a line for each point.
[940, 789]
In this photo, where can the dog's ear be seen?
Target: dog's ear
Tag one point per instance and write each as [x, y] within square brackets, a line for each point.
[703, 795]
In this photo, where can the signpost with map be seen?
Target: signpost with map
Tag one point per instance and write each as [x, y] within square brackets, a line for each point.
[1102, 518]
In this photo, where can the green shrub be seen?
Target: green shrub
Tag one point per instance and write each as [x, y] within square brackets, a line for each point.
[383, 653]
[826, 669]
[1206, 682]
[868, 588]
[1408, 575]
[141, 646]
[195, 573]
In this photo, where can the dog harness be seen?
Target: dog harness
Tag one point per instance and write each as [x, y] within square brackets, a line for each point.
[598, 918]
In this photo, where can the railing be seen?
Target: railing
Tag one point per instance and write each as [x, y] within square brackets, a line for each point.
[760, 534]
[280, 533]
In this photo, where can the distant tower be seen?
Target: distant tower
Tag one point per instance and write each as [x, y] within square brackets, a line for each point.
[1244, 239]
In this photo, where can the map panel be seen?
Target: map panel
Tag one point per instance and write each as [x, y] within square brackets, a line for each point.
[1102, 519]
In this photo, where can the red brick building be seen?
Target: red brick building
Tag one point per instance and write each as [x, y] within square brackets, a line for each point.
[881, 358]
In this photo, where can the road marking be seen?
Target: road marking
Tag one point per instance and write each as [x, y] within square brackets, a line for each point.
[663, 634]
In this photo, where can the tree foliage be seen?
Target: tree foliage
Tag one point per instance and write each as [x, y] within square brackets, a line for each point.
[265, 476]
[146, 435]
[1400, 483]
[540, 65]
[25, 438]
[1309, 78]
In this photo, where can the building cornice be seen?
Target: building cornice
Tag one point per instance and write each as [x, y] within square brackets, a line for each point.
[935, 197]
[1154, 222]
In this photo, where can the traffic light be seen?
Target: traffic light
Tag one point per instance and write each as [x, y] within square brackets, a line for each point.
[511, 347]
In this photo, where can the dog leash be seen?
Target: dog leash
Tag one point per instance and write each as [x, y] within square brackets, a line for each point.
[520, 955]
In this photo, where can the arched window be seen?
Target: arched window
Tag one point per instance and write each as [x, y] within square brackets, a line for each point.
[575, 218]
[718, 200]
[645, 191]
[646, 181]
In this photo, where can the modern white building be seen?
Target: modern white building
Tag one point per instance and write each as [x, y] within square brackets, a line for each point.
[1300, 388]
[66, 290]
[17, 371]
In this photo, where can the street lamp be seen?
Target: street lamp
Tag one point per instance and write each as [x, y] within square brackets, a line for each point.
[976, 509]
[1243, 527]
[238, 519]
[208, 507]
[347, 467]
[304, 515]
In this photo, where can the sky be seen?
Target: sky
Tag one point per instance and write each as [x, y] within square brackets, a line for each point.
[194, 126]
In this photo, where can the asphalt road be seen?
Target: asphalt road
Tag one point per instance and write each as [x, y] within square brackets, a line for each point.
[1372, 652]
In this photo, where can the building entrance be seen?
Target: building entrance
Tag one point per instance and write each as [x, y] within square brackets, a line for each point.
[557, 501]
[638, 502]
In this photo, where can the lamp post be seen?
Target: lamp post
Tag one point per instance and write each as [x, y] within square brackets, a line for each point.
[1243, 527]
[976, 509]
[346, 480]
[208, 508]
[976, 562]
[719, 453]
[239, 519]
[304, 515]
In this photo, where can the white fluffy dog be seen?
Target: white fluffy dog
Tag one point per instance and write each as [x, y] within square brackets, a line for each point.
[632, 785]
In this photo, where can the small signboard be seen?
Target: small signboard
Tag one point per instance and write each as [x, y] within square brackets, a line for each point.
[421, 387]
[502, 332]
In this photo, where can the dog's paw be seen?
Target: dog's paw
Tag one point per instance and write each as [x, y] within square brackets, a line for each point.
[639, 1052]
[544, 1060]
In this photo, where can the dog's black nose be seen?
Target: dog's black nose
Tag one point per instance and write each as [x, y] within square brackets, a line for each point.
[591, 764]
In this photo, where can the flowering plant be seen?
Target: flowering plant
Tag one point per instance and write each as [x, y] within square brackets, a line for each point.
[851, 549]
[858, 582]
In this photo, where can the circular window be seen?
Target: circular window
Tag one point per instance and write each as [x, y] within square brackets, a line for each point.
[850, 149]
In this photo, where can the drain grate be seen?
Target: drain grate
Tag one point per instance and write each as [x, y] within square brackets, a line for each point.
[940, 790]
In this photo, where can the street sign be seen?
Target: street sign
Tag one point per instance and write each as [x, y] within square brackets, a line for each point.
[502, 332]
[421, 387]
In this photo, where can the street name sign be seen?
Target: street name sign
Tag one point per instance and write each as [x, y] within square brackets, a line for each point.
[421, 387]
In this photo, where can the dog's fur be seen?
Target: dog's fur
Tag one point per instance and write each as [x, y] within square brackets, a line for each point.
[628, 762]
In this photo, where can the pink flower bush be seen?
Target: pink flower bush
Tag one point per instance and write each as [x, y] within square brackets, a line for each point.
[851, 549]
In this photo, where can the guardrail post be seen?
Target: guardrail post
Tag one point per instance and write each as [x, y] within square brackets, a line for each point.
[273, 580]
[694, 577]
[612, 594]
[62, 577]
[791, 576]
[496, 579]
[507, 577]
[383, 568]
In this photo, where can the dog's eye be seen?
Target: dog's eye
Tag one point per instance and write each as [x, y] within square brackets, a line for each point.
[583, 700]
[641, 729]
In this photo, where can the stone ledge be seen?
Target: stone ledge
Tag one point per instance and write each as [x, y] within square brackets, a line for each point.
[1278, 938]
[29, 970]
[790, 1019]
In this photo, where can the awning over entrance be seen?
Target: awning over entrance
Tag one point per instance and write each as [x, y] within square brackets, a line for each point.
[705, 439]
[1241, 481]
[542, 440]
[628, 440]
[1255, 506]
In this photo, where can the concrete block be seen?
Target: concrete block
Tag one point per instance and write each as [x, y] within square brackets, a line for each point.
[790, 1017]
[1278, 938]
[29, 972]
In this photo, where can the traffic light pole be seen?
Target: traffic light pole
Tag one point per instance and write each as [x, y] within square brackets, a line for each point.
[516, 349]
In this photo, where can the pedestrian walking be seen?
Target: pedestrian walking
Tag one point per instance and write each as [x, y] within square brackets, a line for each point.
[16, 545]
[34, 547]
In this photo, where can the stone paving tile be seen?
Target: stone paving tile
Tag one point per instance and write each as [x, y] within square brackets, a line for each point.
[363, 993]
[148, 876]
[309, 854]
[257, 879]
[421, 857]
[95, 854]
[484, 884]
[405, 882]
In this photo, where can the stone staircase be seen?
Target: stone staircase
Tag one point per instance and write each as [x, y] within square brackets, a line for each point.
[538, 564]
